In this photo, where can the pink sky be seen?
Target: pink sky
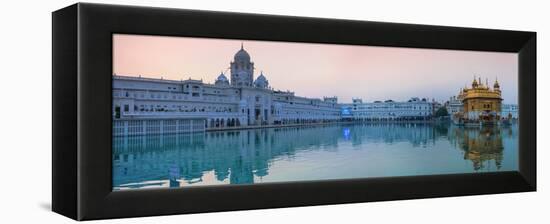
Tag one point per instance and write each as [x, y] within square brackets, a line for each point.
[317, 70]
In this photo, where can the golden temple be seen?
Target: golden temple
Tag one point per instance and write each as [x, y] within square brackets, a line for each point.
[482, 104]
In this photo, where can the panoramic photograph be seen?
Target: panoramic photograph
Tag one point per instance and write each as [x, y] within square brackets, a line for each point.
[191, 112]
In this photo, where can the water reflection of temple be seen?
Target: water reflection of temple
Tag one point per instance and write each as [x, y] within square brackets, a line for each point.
[240, 156]
[483, 146]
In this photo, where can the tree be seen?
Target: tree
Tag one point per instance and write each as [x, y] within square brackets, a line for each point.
[441, 112]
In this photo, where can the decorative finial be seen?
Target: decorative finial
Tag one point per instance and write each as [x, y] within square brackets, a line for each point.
[242, 46]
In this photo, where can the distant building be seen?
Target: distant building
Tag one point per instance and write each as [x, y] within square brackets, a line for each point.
[389, 110]
[509, 111]
[455, 105]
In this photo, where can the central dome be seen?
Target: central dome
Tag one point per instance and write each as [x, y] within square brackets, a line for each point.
[242, 55]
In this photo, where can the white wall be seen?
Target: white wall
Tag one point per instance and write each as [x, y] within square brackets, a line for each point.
[25, 119]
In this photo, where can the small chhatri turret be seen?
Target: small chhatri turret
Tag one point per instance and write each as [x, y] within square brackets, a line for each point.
[261, 81]
[222, 80]
[496, 86]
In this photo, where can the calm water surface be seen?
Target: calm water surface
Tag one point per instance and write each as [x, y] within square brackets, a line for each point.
[310, 153]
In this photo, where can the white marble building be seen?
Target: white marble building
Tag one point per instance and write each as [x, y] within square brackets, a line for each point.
[509, 110]
[455, 105]
[239, 101]
[389, 110]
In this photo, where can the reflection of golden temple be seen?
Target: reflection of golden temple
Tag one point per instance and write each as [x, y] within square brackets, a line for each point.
[481, 145]
[481, 104]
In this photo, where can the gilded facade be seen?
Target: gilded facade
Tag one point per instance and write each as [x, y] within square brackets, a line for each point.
[481, 103]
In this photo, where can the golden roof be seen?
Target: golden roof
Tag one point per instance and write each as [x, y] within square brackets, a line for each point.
[478, 90]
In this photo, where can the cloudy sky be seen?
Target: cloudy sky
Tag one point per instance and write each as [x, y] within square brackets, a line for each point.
[317, 70]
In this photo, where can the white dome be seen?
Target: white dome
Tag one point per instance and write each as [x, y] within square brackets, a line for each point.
[261, 81]
[222, 80]
[242, 55]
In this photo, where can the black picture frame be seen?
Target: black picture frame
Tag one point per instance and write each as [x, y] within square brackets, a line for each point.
[82, 77]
